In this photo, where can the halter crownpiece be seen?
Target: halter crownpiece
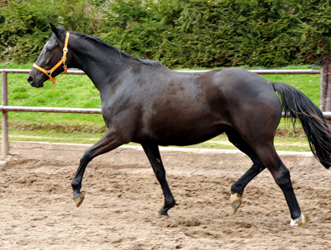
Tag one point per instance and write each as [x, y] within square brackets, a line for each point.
[63, 60]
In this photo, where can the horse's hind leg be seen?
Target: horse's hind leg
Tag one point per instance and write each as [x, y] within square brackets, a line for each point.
[265, 155]
[259, 135]
[281, 175]
[153, 154]
[238, 187]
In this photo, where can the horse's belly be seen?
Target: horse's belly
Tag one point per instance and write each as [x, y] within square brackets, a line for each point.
[181, 136]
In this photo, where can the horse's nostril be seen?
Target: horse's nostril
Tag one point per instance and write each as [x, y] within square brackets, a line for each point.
[30, 79]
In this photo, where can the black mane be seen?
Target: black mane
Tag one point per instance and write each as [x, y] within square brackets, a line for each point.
[121, 53]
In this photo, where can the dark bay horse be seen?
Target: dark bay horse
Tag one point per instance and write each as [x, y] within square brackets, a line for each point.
[147, 103]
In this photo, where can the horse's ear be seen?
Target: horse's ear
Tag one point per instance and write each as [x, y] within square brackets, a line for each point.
[54, 29]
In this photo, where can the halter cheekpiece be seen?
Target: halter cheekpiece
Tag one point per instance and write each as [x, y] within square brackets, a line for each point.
[63, 60]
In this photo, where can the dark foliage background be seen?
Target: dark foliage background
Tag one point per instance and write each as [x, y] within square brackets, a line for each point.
[179, 33]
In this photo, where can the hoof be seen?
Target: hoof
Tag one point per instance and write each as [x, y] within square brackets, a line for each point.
[79, 199]
[299, 222]
[163, 212]
[235, 201]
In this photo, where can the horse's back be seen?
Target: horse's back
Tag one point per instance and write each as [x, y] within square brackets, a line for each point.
[243, 84]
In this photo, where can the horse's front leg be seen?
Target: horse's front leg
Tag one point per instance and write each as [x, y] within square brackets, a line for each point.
[107, 143]
[153, 154]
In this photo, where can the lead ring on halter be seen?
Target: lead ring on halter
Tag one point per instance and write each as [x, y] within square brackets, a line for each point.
[63, 60]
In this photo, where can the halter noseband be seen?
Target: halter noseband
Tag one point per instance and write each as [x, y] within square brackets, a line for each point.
[63, 60]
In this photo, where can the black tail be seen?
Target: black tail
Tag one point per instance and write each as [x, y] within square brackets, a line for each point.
[298, 106]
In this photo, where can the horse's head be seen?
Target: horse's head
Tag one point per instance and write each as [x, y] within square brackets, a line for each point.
[52, 59]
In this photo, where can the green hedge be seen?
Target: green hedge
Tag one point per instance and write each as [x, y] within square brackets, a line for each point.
[179, 33]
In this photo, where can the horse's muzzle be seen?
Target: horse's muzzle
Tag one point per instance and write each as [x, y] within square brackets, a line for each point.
[31, 80]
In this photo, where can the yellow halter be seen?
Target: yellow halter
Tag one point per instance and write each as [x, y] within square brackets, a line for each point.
[63, 60]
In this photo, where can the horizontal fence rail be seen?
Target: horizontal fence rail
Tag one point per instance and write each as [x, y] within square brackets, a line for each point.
[327, 115]
[50, 110]
[259, 71]
[269, 71]
[4, 108]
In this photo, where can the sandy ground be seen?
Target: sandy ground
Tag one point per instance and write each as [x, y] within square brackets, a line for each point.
[121, 204]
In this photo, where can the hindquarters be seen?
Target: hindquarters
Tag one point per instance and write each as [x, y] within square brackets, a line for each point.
[253, 109]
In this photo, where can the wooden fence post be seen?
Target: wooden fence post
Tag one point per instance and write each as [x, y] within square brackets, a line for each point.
[4, 102]
[326, 88]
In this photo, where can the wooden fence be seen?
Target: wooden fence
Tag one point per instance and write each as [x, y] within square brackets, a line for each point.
[4, 108]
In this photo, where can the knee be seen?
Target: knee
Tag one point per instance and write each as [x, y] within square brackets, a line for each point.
[86, 158]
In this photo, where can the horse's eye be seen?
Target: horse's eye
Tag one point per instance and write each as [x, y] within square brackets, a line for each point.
[49, 50]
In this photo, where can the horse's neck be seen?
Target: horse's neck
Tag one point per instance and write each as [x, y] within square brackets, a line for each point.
[102, 66]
